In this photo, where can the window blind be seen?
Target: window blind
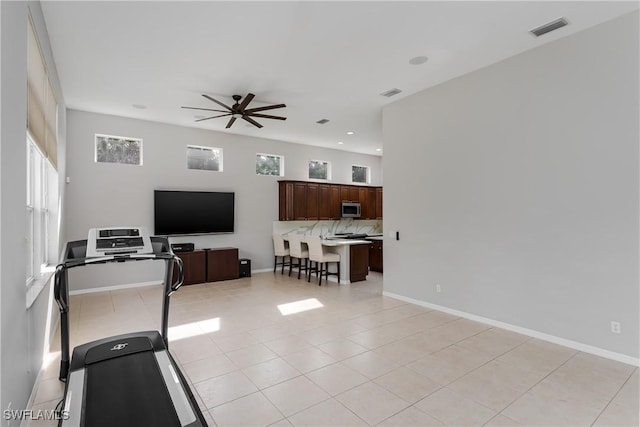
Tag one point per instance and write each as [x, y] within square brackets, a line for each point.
[42, 107]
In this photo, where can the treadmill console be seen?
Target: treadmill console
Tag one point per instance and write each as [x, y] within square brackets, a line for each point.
[118, 241]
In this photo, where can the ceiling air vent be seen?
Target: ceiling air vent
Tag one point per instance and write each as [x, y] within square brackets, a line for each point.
[547, 28]
[391, 92]
[322, 121]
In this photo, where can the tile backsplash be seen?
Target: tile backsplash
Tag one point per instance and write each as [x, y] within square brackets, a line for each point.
[329, 227]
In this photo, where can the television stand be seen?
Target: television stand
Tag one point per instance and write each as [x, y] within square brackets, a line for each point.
[210, 265]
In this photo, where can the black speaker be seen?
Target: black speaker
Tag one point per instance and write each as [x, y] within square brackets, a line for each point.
[183, 247]
[245, 267]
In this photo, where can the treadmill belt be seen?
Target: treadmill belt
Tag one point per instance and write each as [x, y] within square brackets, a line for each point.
[128, 391]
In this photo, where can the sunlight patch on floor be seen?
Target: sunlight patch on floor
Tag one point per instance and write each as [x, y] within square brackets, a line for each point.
[299, 306]
[193, 329]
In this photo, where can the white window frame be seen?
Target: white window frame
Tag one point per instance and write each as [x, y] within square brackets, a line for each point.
[280, 167]
[367, 174]
[328, 163]
[42, 189]
[121, 138]
[204, 148]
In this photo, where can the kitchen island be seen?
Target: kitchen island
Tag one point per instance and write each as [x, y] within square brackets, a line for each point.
[354, 258]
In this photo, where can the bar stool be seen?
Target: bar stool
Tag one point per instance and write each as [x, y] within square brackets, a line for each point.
[296, 251]
[321, 258]
[280, 250]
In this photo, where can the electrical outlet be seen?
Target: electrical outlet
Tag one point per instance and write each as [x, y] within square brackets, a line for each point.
[438, 288]
[615, 327]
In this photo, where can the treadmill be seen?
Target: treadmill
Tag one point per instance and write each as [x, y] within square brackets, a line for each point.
[129, 379]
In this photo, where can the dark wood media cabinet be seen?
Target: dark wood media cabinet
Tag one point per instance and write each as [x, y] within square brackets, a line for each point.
[209, 265]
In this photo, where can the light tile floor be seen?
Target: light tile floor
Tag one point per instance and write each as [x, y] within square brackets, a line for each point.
[352, 357]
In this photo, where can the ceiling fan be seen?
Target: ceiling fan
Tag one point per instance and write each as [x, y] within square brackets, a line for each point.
[239, 110]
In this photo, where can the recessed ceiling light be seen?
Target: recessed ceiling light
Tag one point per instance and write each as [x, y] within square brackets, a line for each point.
[340, 142]
[418, 60]
[350, 132]
[139, 106]
[378, 149]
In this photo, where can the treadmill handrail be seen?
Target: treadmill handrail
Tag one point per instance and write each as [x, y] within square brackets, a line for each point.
[180, 279]
[61, 290]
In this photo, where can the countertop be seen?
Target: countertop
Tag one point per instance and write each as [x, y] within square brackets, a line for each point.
[343, 242]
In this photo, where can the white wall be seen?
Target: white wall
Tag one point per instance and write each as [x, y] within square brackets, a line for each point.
[23, 332]
[516, 188]
[106, 194]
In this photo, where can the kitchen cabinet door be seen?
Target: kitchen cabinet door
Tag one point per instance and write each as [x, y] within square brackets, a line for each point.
[285, 201]
[359, 262]
[312, 200]
[375, 256]
[299, 200]
[344, 193]
[379, 202]
[354, 193]
[324, 201]
[368, 202]
[335, 202]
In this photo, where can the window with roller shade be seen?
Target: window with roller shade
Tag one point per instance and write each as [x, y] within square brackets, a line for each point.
[42, 177]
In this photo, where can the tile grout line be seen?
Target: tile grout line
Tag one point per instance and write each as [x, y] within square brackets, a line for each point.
[614, 396]
[541, 380]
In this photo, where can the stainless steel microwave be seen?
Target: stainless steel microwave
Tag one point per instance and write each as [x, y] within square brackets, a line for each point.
[350, 210]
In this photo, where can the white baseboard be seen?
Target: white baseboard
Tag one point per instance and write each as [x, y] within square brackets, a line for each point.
[113, 288]
[262, 270]
[524, 331]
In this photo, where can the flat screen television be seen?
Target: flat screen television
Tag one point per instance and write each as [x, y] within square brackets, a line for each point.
[193, 212]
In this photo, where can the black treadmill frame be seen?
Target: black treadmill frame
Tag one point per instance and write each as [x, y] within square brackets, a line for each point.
[75, 256]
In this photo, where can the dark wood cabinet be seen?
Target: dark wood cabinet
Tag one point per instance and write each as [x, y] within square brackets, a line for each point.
[301, 200]
[345, 194]
[209, 265]
[375, 255]
[285, 200]
[354, 194]
[359, 262]
[194, 265]
[368, 203]
[222, 264]
[335, 202]
[312, 200]
[324, 201]
[379, 202]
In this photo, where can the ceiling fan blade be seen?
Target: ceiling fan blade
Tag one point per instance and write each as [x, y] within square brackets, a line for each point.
[247, 99]
[231, 120]
[267, 116]
[253, 122]
[214, 117]
[268, 107]
[205, 109]
[217, 102]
